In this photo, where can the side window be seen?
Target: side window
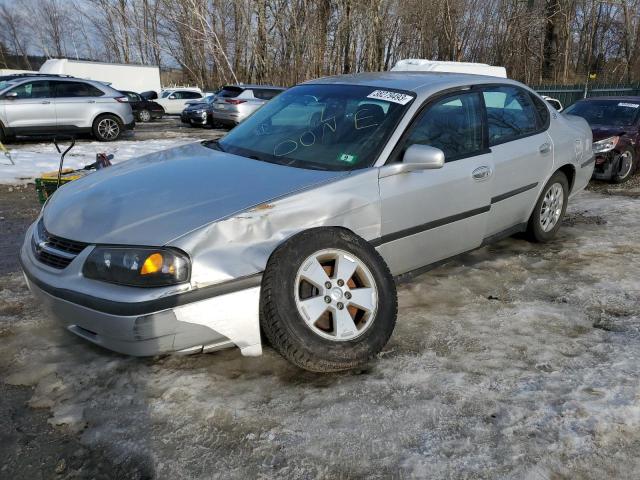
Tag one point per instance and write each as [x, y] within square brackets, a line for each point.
[191, 95]
[510, 114]
[176, 96]
[76, 89]
[543, 111]
[40, 89]
[264, 93]
[453, 124]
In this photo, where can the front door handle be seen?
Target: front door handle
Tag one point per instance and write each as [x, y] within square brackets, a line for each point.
[45, 102]
[545, 148]
[91, 101]
[481, 173]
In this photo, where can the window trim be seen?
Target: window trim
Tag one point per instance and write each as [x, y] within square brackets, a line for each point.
[442, 95]
[537, 131]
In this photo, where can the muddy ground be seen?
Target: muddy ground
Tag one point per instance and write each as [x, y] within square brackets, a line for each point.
[516, 361]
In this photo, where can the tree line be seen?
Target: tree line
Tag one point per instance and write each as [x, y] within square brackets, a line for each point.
[283, 42]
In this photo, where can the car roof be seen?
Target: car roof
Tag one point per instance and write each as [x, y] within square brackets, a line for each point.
[254, 86]
[628, 98]
[417, 82]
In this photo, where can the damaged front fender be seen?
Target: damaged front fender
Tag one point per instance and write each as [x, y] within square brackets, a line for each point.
[241, 245]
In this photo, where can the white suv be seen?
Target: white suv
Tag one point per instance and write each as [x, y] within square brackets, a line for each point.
[174, 101]
[50, 105]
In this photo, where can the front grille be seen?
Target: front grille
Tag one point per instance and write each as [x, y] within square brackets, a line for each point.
[54, 251]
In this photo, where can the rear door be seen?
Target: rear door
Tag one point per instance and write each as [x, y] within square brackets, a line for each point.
[523, 154]
[431, 215]
[29, 107]
[74, 101]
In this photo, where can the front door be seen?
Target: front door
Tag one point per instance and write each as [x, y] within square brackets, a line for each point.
[29, 107]
[431, 215]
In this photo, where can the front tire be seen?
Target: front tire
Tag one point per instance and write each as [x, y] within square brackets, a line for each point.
[107, 128]
[626, 166]
[550, 208]
[328, 300]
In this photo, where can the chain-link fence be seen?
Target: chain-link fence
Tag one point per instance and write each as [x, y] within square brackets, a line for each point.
[568, 94]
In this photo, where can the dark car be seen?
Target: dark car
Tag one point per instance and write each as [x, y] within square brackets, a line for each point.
[143, 109]
[615, 123]
[197, 113]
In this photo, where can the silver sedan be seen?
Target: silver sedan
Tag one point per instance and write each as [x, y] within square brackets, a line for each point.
[298, 223]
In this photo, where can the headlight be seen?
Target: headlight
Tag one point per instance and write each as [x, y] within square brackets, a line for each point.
[137, 267]
[605, 145]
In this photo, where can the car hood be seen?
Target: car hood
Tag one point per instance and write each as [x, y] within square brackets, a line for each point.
[154, 199]
[600, 132]
[193, 106]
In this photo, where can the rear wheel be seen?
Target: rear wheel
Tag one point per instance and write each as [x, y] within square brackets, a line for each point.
[547, 215]
[328, 300]
[107, 128]
[625, 167]
[144, 116]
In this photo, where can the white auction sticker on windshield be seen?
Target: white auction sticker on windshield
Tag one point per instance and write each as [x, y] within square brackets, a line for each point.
[395, 97]
[630, 105]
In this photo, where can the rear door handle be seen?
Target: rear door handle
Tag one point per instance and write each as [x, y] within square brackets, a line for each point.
[91, 101]
[545, 148]
[481, 173]
[45, 102]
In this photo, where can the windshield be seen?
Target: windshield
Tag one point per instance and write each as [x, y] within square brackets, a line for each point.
[327, 127]
[617, 113]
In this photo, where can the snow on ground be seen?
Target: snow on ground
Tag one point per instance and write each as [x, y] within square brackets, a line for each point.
[32, 159]
[517, 361]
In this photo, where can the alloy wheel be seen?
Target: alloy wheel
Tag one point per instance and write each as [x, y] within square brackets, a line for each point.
[336, 295]
[145, 116]
[625, 163]
[551, 208]
[108, 128]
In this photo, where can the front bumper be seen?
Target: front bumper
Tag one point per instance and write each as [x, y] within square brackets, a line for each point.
[197, 320]
[606, 165]
[194, 118]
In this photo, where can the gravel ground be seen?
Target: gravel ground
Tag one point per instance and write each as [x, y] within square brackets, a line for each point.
[515, 361]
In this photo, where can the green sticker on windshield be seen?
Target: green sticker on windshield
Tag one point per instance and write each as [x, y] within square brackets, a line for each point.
[347, 158]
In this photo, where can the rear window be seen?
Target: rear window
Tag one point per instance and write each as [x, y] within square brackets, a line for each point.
[230, 92]
[265, 93]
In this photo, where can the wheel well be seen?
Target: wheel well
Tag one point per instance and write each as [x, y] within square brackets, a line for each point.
[100, 115]
[570, 172]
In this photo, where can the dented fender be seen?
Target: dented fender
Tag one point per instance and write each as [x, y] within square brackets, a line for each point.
[241, 245]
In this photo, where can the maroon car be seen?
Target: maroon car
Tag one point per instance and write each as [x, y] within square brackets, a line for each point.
[615, 123]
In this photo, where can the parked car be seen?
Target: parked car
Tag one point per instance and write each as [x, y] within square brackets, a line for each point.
[198, 113]
[297, 221]
[144, 110]
[53, 104]
[174, 101]
[615, 123]
[234, 103]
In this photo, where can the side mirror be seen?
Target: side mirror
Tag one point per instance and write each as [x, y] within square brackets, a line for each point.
[11, 96]
[417, 157]
[172, 97]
